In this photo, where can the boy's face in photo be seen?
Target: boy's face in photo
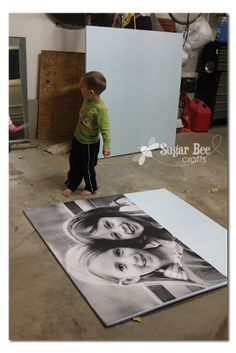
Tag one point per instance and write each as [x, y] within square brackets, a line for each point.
[124, 263]
[117, 228]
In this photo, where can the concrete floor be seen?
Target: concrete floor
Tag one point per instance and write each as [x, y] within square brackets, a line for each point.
[45, 305]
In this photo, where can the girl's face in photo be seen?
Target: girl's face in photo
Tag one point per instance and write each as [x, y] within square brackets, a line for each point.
[117, 228]
[124, 263]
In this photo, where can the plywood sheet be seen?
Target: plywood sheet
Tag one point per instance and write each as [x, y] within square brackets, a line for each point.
[59, 95]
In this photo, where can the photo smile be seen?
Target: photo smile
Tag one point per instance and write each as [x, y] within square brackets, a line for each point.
[140, 260]
[129, 227]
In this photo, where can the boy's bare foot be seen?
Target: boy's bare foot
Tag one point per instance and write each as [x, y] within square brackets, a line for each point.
[67, 192]
[85, 192]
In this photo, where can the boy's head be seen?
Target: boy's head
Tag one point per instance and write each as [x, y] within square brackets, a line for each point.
[92, 84]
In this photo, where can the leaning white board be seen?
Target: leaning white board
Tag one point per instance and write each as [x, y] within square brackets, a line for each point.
[143, 72]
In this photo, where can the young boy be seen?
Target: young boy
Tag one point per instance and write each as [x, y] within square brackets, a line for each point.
[93, 120]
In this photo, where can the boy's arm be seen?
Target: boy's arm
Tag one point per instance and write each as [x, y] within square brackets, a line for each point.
[104, 126]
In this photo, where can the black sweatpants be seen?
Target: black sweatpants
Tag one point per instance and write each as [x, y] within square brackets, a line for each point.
[83, 160]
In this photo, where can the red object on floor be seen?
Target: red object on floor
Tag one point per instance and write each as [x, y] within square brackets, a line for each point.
[200, 115]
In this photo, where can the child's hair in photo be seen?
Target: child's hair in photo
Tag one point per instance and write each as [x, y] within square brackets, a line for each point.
[77, 260]
[96, 81]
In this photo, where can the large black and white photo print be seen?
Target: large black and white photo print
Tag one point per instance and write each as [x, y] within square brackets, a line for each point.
[127, 256]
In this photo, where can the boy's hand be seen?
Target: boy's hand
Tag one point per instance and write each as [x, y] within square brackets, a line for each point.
[106, 151]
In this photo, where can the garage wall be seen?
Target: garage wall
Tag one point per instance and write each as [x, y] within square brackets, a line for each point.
[42, 34]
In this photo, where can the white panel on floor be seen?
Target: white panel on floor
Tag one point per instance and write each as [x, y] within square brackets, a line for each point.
[200, 233]
[143, 72]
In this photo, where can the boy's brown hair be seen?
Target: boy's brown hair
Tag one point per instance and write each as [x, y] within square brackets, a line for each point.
[95, 81]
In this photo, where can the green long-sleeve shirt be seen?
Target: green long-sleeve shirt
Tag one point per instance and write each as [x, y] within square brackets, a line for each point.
[93, 120]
